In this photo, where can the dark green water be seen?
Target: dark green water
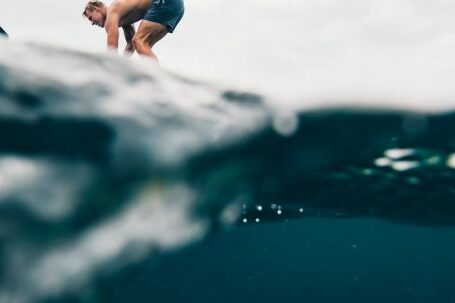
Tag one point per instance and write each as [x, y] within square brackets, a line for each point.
[309, 260]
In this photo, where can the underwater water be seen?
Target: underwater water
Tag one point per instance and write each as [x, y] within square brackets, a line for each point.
[313, 260]
[122, 182]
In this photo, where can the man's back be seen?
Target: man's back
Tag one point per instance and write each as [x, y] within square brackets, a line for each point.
[129, 11]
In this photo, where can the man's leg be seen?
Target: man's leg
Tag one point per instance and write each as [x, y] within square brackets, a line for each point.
[146, 36]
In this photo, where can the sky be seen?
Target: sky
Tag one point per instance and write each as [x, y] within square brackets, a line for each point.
[396, 50]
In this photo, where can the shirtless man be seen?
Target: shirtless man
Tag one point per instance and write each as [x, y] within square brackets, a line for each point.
[158, 18]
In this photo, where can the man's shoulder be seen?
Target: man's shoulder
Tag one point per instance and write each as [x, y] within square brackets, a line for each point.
[120, 6]
[114, 5]
[122, 3]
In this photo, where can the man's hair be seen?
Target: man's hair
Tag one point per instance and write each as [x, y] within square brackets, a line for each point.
[91, 5]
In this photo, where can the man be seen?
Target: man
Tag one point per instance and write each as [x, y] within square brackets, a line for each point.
[158, 18]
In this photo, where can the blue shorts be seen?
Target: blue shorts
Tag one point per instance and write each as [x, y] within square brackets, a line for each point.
[166, 12]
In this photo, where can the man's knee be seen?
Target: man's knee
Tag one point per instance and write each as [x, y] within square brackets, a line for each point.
[138, 42]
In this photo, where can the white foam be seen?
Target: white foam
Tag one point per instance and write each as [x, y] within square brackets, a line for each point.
[167, 108]
[154, 220]
[50, 189]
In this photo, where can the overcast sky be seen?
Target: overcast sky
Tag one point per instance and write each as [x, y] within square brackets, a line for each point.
[298, 48]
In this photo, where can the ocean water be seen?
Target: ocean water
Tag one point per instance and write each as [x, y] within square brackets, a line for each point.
[123, 182]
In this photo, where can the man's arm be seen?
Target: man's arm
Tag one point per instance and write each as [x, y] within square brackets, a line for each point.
[111, 26]
[129, 31]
